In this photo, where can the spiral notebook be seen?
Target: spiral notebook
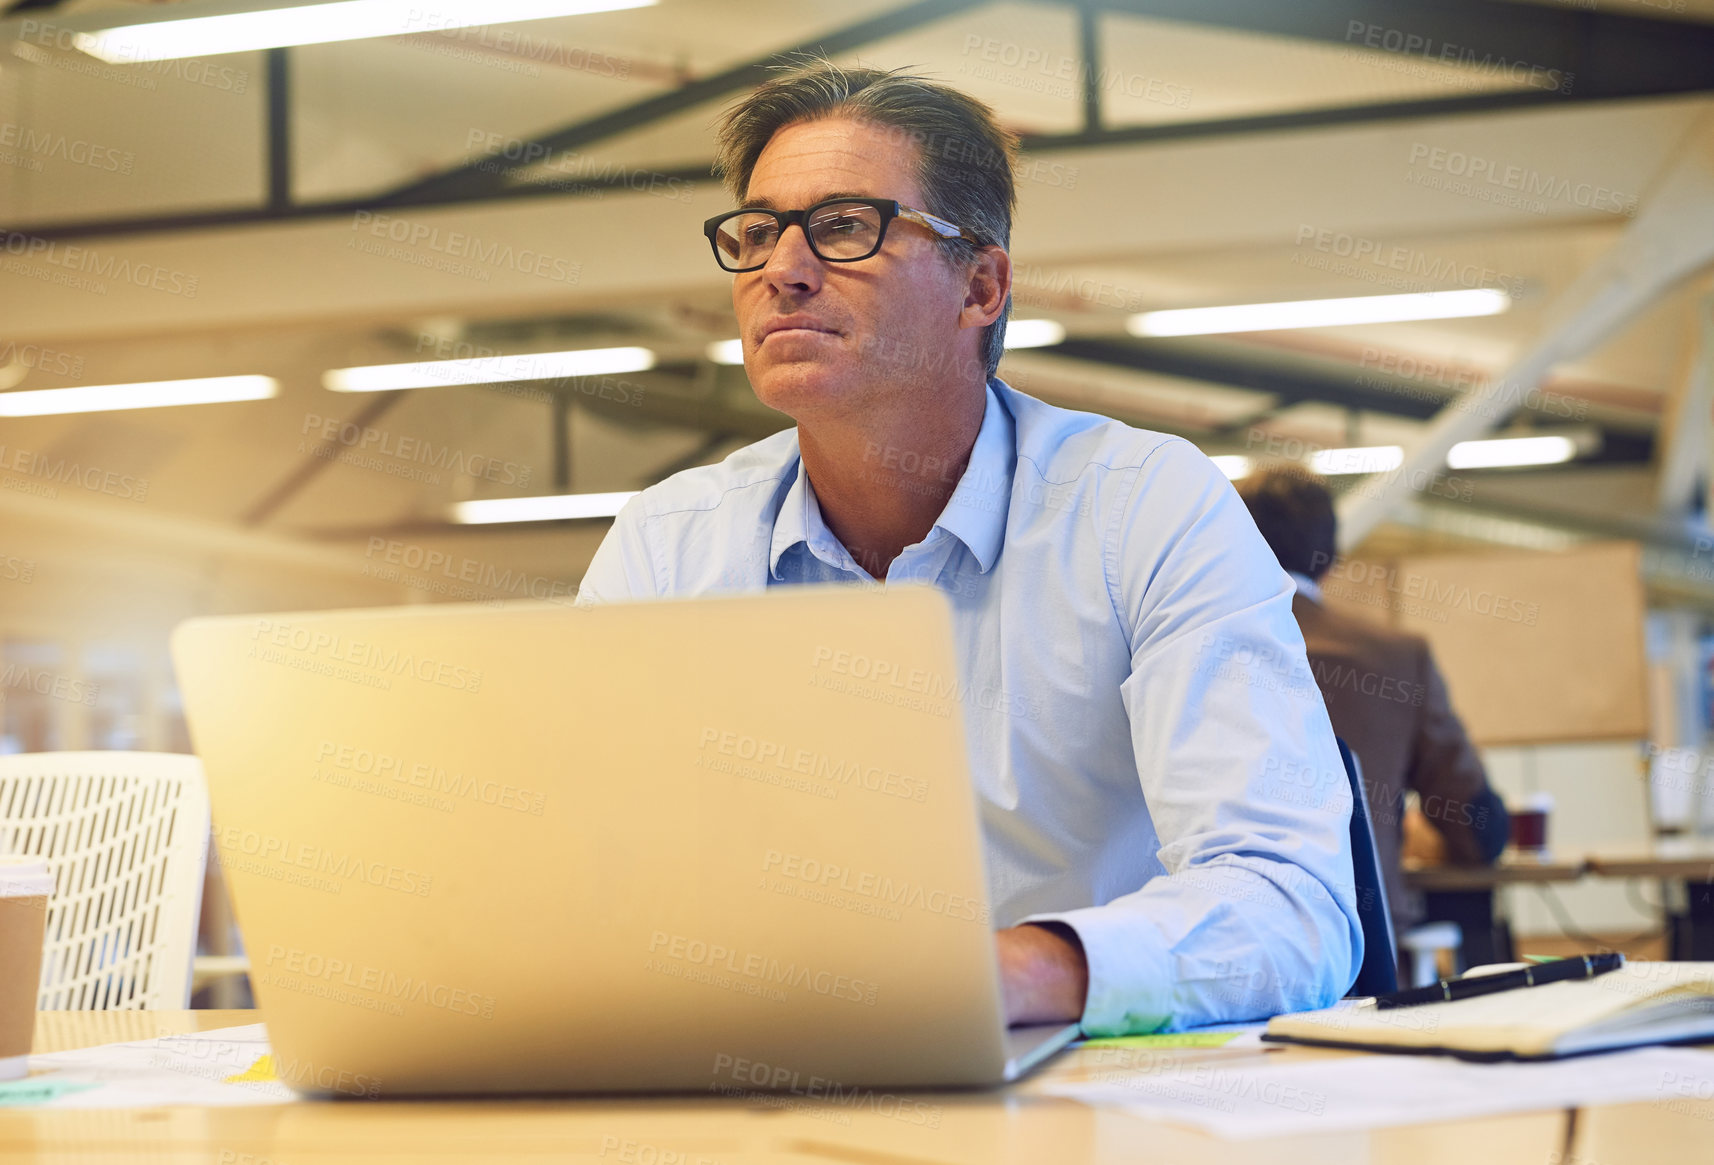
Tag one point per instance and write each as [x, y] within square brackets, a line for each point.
[1640, 1003]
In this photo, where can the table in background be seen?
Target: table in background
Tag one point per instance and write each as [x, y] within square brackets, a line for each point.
[1465, 895]
[1687, 861]
[999, 1127]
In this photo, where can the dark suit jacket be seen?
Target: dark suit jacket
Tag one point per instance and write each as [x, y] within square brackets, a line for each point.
[1387, 700]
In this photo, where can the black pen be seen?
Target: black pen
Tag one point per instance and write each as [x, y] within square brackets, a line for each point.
[1559, 971]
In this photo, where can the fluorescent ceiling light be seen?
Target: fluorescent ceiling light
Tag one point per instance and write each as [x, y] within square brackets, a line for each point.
[1511, 451]
[1034, 333]
[1233, 465]
[489, 369]
[272, 28]
[1319, 313]
[557, 508]
[153, 394]
[1369, 459]
[726, 351]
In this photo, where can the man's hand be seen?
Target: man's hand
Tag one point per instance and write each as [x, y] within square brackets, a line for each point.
[1043, 974]
[1422, 842]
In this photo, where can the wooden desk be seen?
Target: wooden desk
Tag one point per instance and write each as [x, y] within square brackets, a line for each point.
[1006, 1127]
[1686, 860]
[1690, 859]
[1507, 871]
[1666, 1133]
[1465, 895]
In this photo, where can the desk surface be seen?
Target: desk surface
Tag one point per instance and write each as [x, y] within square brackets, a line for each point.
[1689, 858]
[1508, 870]
[987, 1128]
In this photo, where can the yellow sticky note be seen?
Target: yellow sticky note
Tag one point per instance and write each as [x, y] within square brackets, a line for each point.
[261, 1072]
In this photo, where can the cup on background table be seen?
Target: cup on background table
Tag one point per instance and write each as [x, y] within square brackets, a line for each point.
[1529, 824]
[25, 887]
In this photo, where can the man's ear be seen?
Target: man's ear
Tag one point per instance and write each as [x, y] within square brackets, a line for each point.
[986, 288]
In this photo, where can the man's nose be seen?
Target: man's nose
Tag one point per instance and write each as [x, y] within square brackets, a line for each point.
[793, 264]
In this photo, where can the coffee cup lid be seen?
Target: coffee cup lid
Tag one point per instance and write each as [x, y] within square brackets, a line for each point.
[24, 876]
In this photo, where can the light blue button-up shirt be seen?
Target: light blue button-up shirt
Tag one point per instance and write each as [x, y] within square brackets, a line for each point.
[1154, 764]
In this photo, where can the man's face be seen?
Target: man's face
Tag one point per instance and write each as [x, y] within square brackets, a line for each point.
[871, 333]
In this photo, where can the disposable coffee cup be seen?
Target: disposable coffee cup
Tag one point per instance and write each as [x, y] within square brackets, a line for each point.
[25, 886]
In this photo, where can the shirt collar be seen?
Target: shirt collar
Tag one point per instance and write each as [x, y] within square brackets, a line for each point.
[1306, 586]
[975, 513]
[799, 522]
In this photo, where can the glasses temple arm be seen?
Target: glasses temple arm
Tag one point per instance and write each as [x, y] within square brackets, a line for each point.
[939, 226]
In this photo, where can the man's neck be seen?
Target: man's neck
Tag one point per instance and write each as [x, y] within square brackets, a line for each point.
[882, 484]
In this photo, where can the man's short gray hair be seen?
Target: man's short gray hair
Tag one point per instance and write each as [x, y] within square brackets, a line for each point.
[964, 157]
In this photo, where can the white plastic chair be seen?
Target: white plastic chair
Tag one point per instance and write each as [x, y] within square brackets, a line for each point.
[126, 837]
[1424, 944]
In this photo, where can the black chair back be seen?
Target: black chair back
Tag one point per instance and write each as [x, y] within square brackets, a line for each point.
[1379, 973]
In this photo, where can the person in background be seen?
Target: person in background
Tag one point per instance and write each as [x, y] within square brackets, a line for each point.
[1386, 699]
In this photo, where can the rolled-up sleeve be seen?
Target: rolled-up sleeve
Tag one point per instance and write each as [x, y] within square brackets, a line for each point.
[1256, 913]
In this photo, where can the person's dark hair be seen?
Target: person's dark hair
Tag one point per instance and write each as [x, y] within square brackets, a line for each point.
[964, 158]
[1294, 512]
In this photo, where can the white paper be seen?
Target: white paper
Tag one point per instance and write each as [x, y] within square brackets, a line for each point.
[195, 1068]
[1264, 1098]
[1250, 1039]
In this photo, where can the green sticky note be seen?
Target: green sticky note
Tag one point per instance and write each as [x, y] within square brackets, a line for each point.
[1167, 1040]
[38, 1090]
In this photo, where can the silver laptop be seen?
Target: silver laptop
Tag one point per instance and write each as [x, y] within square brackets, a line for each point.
[717, 845]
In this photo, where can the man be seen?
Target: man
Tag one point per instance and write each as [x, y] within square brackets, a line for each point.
[1386, 699]
[1150, 863]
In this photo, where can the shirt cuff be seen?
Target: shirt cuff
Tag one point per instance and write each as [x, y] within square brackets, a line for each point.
[1130, 989]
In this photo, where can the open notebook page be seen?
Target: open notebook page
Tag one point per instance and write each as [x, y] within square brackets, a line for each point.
[1529, 1021]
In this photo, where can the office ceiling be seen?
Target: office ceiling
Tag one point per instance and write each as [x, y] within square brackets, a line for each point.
[1243, 153]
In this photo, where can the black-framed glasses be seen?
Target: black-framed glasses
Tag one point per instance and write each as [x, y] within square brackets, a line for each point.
[839, 230]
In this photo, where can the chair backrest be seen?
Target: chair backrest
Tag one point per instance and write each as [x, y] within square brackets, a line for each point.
[1379, 973]
[126, 837]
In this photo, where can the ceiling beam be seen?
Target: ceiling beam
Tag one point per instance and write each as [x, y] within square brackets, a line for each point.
[1368, 391]
[1122, 137]
[488, 177]
[318, 459]
[1367, 113]
[484, 180]
[1206, 362]
[1601, 57]
[1671, 238]
[1200, 197]
[1609, 53]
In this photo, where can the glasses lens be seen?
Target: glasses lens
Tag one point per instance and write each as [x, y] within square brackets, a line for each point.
[846, 230]
[746, 239]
